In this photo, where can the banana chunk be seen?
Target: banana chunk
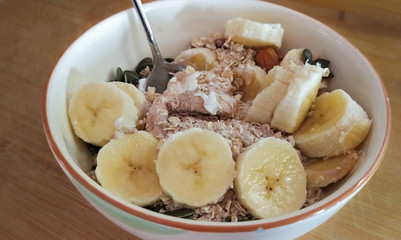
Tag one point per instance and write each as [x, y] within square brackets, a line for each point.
[292, 59]
[337, 124]
[301, 93]
[254, 77]
[271, 179]
[322, 172]
[136, 95]
[195, 167]
[254, 34]
[267, 100]
[126, 168]
[98, 110]
[198, 58]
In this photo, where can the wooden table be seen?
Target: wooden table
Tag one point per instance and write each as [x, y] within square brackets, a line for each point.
[37, 200]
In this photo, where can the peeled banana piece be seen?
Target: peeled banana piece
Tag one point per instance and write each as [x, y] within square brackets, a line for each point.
[137, 96]
[198, 58]
[336, 125]
[98, 110]
[254, 77]
[271, 179]
[301, 93]
[126, 168]
[254, 34]
[195, 167]
[322, 172]
[267, 100]
[292, 59]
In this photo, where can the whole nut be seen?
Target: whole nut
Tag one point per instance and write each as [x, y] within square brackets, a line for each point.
[266, 58]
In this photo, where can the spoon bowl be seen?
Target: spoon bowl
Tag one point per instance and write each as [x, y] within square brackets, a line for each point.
[162, 70]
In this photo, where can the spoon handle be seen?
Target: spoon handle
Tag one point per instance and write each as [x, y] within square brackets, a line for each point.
[149, 34]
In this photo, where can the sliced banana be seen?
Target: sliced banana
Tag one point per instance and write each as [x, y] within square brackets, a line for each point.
[300, 95]
[322, 172]
[198, 58]
[292, 59]
[195, 167]
[271, 179]
[136, 95]
[254, 77]
[98, 110]
[254, 34]
[336, 125]
[126, 168]
[267, 100]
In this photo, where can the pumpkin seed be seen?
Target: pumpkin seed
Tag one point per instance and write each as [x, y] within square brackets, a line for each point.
[154, 207]
[183, 213]
[131, 77]
[307, 55]
[191, 217]
[146, 62]
[93, 148]
[324, 63]
[119, 74]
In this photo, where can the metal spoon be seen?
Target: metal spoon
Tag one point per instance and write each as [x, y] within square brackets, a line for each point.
[161, 72]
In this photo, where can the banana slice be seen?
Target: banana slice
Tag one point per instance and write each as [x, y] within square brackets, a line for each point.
[337, 124]
[322, 172]
[254, 34]
[98, 110]
[126, 168]
[136, 95]
[198, 58]
[254, 77]
[195, 167]
[267, 100]
[300, 95]
[271, 179]
[292, 59]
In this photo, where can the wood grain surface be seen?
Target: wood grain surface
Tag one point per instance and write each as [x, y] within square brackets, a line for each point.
[38, 201]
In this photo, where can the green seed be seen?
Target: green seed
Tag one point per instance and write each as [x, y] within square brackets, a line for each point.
[155, 207]
[324, 63]
[183, 213]
[119, 74]
[93, 148]
[307, 55]
[146, 62]
[191, 217]
[131, 77]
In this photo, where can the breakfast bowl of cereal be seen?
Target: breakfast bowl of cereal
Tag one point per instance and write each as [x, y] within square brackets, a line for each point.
[274, 124]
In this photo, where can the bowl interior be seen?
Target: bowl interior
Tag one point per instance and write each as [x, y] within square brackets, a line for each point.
[119, 41]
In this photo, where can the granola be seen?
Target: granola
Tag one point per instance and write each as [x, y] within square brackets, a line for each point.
[211, 100]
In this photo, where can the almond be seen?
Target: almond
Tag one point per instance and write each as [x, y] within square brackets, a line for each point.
[266, 58]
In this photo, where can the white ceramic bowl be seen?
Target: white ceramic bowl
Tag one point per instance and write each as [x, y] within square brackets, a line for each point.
[119, 41]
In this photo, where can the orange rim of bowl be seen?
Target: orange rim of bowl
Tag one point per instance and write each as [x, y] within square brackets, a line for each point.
[212, 227]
